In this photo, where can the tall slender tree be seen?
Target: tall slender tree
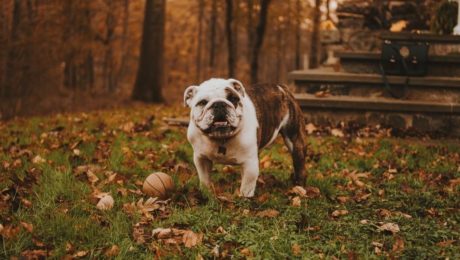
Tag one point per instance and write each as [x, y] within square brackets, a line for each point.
[230, 38]
[149, 81]
[314, 47]
[259, 39]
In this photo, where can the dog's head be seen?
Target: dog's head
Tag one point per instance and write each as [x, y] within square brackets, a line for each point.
[217, 107]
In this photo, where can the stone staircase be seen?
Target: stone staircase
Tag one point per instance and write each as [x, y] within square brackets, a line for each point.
[357, 93]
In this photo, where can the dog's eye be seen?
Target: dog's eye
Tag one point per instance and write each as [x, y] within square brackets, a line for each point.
[233, 99]
[202, 103]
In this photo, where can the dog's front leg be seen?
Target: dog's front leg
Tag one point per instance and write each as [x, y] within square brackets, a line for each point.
[204, 167]
[250, 175]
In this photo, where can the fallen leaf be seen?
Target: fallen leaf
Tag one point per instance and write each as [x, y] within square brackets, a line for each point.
[391, 227]
[296, 249]
[246, 252]
[339, 212]
[337, 132]
[138, 234]
[27, 226]
[312, 192]
[296, 202]
[343, 199]
[310, 128]
[92, 178]
[112, 251]
[221, 230]
[10, 232]
[34, 254]
[215, 251]
[105, 203]
[191, 239]
[364, 222]
[445, 243]
[38, 160]
[268, 213]
[80, 254]
[377, 244]
[299, 190]
[398, 245]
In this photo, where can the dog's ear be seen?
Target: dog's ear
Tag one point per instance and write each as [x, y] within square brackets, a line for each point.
[238, 86]
[188, 95]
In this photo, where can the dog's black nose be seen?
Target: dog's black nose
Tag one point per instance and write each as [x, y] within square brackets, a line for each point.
[220, 110]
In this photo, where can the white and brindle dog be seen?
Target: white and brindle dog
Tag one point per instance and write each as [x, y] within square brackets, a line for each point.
[230, 123]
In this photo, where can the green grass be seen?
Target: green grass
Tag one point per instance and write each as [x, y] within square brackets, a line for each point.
[409, 183]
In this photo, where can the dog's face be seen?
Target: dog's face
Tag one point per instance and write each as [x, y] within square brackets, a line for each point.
[216, 107]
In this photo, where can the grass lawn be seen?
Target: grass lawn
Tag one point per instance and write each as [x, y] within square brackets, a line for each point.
[367, 195]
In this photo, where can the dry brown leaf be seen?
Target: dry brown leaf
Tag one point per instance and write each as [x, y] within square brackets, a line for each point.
[92, 178]
[343, 199]
[221, 230]
[310, 128]
[377, 244]
[384, 213]
[296, 249]
[80, 254]
[398, 245]
[105, 203]
[296, 202]
[38, 160]
[138, 234]
[34, 254]
[312, 192]
[10, 232]
[246, 252]
[215, 251]
[191, 239]
[445, 243]
[339, 212]
[27, 226]
[298, 190]
[391, 227]
[337, 132]
[268, 213]
[1, 228]
[26, 203]
[112, 251]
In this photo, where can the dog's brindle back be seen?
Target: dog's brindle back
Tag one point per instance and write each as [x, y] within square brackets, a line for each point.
[277, 98]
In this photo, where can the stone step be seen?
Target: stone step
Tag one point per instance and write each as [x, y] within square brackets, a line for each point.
[335, 103]
[369, 62]
[321, 76]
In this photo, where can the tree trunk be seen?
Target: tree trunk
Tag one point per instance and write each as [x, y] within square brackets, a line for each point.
[124, 45]
[314, 48]
[200, 36]
[212, 49]
[258, 41]
[230, 41]
[149, 79]
[298, 35]
[250, 28]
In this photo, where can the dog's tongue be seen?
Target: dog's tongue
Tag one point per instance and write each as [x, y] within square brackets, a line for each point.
[220, 124]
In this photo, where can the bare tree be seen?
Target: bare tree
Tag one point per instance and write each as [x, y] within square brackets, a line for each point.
[149, 79]
[200, 37]
[230, 40]
[314, 47]
[259, 38]
[213, 28]
[298, 35]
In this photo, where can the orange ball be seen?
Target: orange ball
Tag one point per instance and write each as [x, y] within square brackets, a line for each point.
[159, 185]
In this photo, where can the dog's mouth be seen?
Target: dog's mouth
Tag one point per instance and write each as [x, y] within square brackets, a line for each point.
[220, 129]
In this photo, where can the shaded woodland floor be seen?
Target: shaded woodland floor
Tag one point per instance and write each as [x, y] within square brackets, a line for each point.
[368, 195]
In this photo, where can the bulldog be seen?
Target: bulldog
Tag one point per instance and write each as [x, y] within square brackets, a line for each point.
[230, 123]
